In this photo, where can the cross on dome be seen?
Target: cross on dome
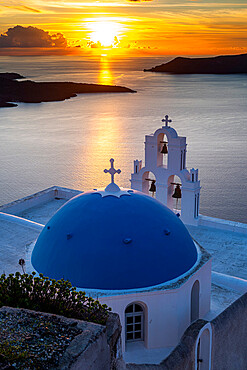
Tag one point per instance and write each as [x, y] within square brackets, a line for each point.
[112, 171]
[166, 120]
[112, 188]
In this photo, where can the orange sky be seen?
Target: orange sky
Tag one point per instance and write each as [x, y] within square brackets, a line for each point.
[123, 27]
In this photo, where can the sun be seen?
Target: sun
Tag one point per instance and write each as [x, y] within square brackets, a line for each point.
[104, 33]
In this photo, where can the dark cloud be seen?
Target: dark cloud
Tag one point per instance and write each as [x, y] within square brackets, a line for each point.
[28, 37]
[94, 45]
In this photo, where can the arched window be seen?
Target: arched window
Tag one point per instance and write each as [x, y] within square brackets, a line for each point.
[194, 310]
[134, 323]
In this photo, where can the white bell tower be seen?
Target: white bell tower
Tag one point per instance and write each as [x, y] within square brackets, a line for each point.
[165, 167]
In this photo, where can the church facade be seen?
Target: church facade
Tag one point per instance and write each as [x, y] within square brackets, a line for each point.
[133, 253]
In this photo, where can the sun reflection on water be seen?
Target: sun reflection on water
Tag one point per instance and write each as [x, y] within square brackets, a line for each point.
[102, 144]
[105, 76]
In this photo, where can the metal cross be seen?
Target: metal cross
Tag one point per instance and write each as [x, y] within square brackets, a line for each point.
[166, 120]
[112, 171]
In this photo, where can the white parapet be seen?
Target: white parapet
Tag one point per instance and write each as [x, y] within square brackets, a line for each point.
[34, 200]
[221, 224]
[21, 221]
[228, 281]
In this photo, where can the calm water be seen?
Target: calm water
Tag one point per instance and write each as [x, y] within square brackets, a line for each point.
[70, 143]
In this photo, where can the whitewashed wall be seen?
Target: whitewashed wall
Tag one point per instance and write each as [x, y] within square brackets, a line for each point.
[167, 312]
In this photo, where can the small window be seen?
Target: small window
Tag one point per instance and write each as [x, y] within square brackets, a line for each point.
[129, 308]
[134, 322]
[137, 308]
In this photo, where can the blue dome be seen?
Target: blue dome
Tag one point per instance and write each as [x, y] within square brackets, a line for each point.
[114, 242]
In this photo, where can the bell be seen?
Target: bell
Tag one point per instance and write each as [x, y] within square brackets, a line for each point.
[164, 150]
[177, 192]
[152, 187]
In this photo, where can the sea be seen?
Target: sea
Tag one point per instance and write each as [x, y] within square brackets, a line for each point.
[69, 143]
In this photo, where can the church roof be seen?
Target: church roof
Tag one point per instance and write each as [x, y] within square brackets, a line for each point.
[112, 240]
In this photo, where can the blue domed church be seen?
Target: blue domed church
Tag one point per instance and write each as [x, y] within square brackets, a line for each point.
[133, 253]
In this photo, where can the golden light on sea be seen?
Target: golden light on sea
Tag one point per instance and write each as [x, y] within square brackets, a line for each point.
[103, 143]
[105, 75]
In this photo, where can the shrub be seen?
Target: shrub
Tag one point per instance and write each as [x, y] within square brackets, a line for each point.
[49, 295]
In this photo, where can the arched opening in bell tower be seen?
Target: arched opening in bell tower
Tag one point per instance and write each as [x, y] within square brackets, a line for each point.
[174, 193]
[162, 150]
[149, 183]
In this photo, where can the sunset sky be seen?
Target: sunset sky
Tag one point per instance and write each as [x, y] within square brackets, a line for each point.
[123, 27]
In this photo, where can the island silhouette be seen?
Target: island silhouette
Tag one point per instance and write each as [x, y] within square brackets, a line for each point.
[225, 64]
[13, 91]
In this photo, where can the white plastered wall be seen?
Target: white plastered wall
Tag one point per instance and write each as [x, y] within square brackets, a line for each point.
[167, 312]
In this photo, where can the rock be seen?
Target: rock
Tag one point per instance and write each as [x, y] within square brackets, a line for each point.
[37, 92]
[11, 76]
[4, 104]
[226, 64]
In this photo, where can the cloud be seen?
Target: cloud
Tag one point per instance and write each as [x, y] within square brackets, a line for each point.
[94, 45]
[98, 44]
[31, 37]
[23, 8]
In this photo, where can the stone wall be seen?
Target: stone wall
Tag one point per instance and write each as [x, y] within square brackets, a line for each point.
[229, 347]
[96, 347]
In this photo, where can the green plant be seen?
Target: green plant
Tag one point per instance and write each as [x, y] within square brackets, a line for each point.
[49, 295]
[11, 351]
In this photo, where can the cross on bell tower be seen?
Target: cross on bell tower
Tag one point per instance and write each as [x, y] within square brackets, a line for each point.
[166, 120]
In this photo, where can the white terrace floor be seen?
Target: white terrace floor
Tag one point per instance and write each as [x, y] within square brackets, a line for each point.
[15, 239]
[228, 249]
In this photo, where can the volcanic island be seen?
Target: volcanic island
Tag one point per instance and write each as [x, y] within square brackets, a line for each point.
[13, 91]
[225, 64]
